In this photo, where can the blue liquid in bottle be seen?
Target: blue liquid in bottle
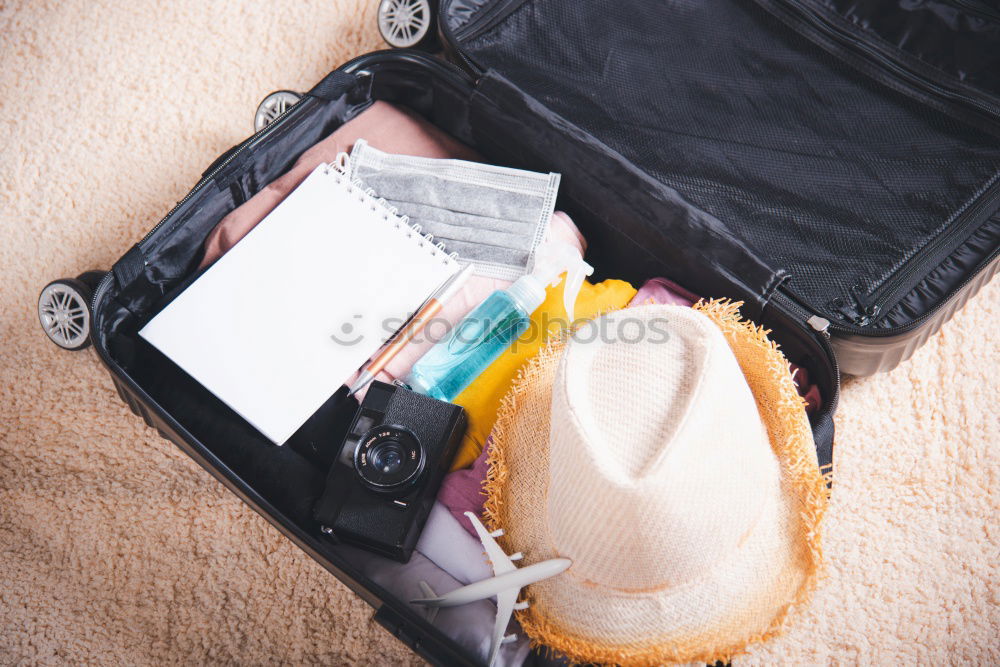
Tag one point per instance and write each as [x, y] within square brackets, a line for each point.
[485, 333]
[468, 349]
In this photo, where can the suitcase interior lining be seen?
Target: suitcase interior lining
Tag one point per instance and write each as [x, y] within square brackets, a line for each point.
[957, 38]
[291, 478]
[840, 181]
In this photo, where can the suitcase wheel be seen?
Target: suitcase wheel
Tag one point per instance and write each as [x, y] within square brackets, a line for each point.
[406, 24]
[64, 310]
[273, 106]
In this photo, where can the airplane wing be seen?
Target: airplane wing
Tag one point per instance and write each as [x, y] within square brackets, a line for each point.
[500, 561]
[505, 608]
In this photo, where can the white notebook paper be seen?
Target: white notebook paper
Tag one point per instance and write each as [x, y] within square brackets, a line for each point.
[279, 322]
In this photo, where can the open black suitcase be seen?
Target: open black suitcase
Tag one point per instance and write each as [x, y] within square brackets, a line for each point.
[834, 165]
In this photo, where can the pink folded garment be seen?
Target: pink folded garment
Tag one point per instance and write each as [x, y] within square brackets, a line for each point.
[664, 292]
[807, 390]
[384, 126]
[462, 490]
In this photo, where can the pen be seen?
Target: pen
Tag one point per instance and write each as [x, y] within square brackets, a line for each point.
[416, 324]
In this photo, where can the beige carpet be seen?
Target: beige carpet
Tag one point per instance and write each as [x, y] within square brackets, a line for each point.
[115, 548]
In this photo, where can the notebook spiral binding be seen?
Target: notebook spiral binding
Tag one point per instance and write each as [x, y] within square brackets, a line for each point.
[341, 170]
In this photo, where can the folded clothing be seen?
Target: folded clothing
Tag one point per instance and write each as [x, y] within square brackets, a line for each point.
[383, 125]
[664, 292]
[462, 490]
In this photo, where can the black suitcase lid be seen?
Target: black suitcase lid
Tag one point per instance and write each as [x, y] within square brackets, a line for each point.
[854, 147]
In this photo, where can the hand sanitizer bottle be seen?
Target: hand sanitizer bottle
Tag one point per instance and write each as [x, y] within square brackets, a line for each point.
[483, 335]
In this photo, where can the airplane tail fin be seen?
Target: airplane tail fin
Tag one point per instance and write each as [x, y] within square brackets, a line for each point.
[426, 589]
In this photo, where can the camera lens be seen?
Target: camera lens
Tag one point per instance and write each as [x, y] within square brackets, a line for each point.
[388, 458]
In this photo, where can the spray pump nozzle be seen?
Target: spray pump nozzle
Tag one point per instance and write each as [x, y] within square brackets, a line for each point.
[551, 263]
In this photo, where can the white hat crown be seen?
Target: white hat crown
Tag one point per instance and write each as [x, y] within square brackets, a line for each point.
[660, 466]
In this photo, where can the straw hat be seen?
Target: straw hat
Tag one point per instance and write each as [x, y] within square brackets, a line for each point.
[666, 452]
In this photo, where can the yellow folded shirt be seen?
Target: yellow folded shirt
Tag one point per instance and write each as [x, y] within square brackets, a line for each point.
[481, 399]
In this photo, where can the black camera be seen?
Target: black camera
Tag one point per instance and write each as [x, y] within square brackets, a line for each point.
[383, 484]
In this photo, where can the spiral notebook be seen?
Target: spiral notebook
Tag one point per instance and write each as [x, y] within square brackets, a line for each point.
[279, 322]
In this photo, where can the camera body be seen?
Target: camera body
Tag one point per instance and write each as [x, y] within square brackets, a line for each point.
[383, 483]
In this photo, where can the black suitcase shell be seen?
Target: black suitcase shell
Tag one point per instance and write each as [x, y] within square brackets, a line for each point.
[860, 261]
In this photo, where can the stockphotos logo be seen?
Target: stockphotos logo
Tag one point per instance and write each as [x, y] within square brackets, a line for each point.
[541, 329]
[347, 334]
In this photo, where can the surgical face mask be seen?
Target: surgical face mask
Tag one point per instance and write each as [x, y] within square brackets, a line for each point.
[493, 217]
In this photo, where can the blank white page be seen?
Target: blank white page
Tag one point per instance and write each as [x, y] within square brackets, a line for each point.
[260, 327]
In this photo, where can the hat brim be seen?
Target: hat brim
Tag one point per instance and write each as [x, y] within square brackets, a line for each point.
[744, 600]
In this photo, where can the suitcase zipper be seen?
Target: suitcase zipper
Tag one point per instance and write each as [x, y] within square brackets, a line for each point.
[930, 256]
[822, 327]
[482, 22]
[451, 42]
[885, 68]
[915, 323]
[485, 20]
[980, 9]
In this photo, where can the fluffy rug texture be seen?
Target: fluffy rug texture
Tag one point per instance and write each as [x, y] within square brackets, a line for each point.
[116, 548]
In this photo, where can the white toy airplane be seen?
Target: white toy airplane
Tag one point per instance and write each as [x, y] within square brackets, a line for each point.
[506, 582]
